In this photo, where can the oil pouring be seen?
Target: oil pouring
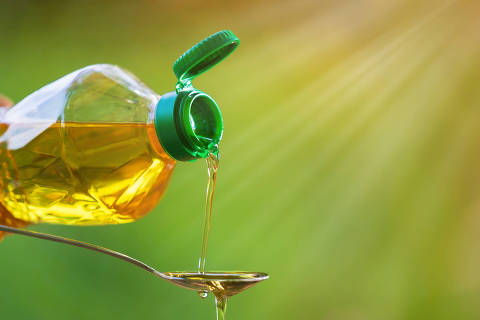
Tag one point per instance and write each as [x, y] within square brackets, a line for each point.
[223, 285]
[98, 146]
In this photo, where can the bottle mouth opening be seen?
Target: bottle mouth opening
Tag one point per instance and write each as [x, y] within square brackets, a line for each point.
[188, 125]
[202, 121]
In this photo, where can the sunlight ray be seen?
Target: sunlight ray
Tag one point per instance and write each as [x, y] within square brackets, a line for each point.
[280, 132]
[383, 158]
[289, 143]
[341, 76]
[327, 151]
[324, 236]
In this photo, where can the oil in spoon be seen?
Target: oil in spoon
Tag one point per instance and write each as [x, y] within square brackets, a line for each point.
[222, 284]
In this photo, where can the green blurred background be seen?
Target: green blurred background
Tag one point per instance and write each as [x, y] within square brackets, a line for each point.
[349, 165]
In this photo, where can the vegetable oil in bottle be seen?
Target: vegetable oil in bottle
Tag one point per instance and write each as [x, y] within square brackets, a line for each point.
[86, 173]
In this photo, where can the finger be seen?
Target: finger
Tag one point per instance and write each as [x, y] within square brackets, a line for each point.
[5, 102]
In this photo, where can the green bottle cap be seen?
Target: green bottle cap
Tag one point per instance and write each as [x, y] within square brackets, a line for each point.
[188, 121]
[189, 124]
[205, 55]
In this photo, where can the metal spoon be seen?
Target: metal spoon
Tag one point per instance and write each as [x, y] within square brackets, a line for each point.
[208, 281]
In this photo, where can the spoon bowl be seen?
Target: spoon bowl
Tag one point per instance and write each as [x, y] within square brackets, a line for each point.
[225, 284]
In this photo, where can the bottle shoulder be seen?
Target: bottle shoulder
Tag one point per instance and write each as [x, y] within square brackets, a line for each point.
[100, 93]
[115, 74]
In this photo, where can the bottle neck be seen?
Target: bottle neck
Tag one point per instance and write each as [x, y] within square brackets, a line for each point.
[188, 124]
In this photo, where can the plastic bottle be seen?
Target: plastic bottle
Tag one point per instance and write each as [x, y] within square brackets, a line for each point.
[98, 146]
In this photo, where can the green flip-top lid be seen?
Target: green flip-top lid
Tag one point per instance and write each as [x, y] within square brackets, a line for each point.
[205, 55]
[188, 121]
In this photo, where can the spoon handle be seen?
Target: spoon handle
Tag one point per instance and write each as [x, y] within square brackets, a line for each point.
[76, 243]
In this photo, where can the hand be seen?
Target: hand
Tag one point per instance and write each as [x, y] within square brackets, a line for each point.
[5, 102]
[6, 218]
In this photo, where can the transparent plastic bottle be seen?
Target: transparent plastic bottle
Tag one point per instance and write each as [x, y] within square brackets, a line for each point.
[99, 147]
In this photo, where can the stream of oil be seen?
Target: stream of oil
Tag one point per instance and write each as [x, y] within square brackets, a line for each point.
[222, 284]
[212, 167]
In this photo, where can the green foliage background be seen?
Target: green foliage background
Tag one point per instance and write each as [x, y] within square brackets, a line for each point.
[349, 165]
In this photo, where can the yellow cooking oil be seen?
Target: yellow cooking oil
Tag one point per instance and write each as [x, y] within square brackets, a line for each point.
[84, 174]
[212, 167]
